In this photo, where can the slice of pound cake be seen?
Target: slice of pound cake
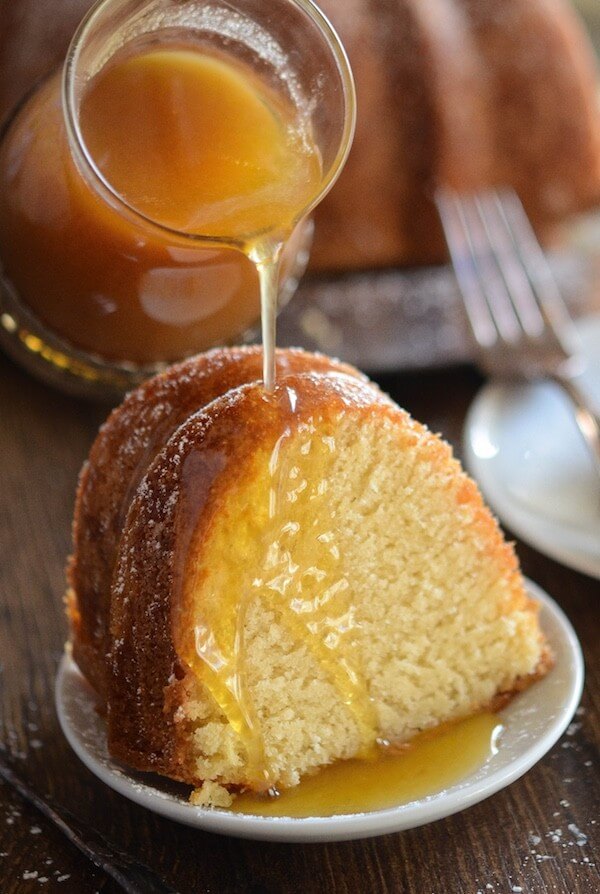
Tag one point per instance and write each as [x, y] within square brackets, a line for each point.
[289, 578]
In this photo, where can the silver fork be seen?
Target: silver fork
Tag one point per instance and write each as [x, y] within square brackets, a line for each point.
[517, 314]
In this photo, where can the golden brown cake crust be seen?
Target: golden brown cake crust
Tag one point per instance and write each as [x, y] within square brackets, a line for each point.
[124, 448]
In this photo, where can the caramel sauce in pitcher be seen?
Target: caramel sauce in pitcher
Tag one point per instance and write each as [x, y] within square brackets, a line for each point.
[209, 150]
[199, 145]
[194, 142]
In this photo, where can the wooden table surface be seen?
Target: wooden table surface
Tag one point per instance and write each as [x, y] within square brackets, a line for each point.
[540, 835]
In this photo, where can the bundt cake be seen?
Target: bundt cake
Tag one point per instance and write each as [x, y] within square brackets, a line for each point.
[263, 583]
[465, 92]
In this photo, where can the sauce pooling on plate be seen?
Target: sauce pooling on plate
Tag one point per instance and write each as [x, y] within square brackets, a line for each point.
[430, 763]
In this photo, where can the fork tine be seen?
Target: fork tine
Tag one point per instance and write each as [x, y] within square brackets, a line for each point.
[477, 269]
[450, 209]
[544, 286]
[505, 249]
[493, 283]
[508, 287]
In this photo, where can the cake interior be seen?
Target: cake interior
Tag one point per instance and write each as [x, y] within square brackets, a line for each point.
[348, 588]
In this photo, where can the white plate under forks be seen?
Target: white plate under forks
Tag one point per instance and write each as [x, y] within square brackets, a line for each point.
[522, 445]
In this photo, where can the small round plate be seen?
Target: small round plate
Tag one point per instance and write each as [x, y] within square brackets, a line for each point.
[532, 724]
[523, 447]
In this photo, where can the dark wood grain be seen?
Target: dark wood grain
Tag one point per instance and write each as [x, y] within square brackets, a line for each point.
[493, 848]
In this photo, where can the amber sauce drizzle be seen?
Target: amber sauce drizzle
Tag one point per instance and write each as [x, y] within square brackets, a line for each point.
[296, 572]
[431, 763]
[304, 575]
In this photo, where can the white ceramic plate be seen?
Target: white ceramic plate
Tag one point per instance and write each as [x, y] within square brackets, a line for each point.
[523, 447]
[532, 724]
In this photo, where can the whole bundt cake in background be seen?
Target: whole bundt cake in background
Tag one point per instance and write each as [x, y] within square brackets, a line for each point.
[469, 92]
[466, 92]
[265, 583]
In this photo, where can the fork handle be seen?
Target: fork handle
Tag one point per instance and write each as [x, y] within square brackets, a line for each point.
[586, 418]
